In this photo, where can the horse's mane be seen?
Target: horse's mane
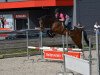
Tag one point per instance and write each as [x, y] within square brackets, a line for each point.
[46, 17]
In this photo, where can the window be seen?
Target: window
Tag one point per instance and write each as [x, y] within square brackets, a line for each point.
[8, 21]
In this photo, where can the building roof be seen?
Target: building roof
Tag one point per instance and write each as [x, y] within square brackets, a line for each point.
[35, 3]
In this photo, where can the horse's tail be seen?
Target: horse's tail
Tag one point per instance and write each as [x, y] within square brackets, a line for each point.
[86, 39]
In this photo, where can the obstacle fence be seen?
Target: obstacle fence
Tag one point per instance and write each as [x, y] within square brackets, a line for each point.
[49, 53]
[42, 48]
[87, 63]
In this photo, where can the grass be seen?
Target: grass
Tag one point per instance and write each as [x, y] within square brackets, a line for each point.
[17, 52]
[20, 52]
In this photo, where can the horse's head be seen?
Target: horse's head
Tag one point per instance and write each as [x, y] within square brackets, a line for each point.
[46, 22]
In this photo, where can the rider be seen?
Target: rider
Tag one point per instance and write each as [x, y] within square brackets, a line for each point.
[61, 16]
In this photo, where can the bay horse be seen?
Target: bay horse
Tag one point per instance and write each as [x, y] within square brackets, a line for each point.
[56, 27]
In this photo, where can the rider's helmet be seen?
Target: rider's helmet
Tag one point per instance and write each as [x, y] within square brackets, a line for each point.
[57, 10]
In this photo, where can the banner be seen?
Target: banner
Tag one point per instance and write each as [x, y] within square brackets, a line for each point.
[58, 55]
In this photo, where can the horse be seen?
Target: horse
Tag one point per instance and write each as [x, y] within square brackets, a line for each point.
[56, 27]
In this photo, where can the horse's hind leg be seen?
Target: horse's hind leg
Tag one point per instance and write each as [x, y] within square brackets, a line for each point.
[76, 39]
[86, 39]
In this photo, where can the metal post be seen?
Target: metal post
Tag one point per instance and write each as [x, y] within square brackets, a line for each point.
[83, 45]
[63, 53]
[28, 23]
[27, 43]
[82, 39]
[15, 24]
[97, 49]
[90, 55]
[74, 14]
[41, 44]
[67, 41]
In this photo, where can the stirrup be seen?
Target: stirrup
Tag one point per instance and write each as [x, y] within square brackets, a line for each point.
[72, 29]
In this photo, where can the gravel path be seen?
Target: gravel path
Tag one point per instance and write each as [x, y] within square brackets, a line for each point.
[23, 66]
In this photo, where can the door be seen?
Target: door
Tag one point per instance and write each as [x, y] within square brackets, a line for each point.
[21, 24]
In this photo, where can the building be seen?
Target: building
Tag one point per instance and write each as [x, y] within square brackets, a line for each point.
[88, 12]
[24, 14]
